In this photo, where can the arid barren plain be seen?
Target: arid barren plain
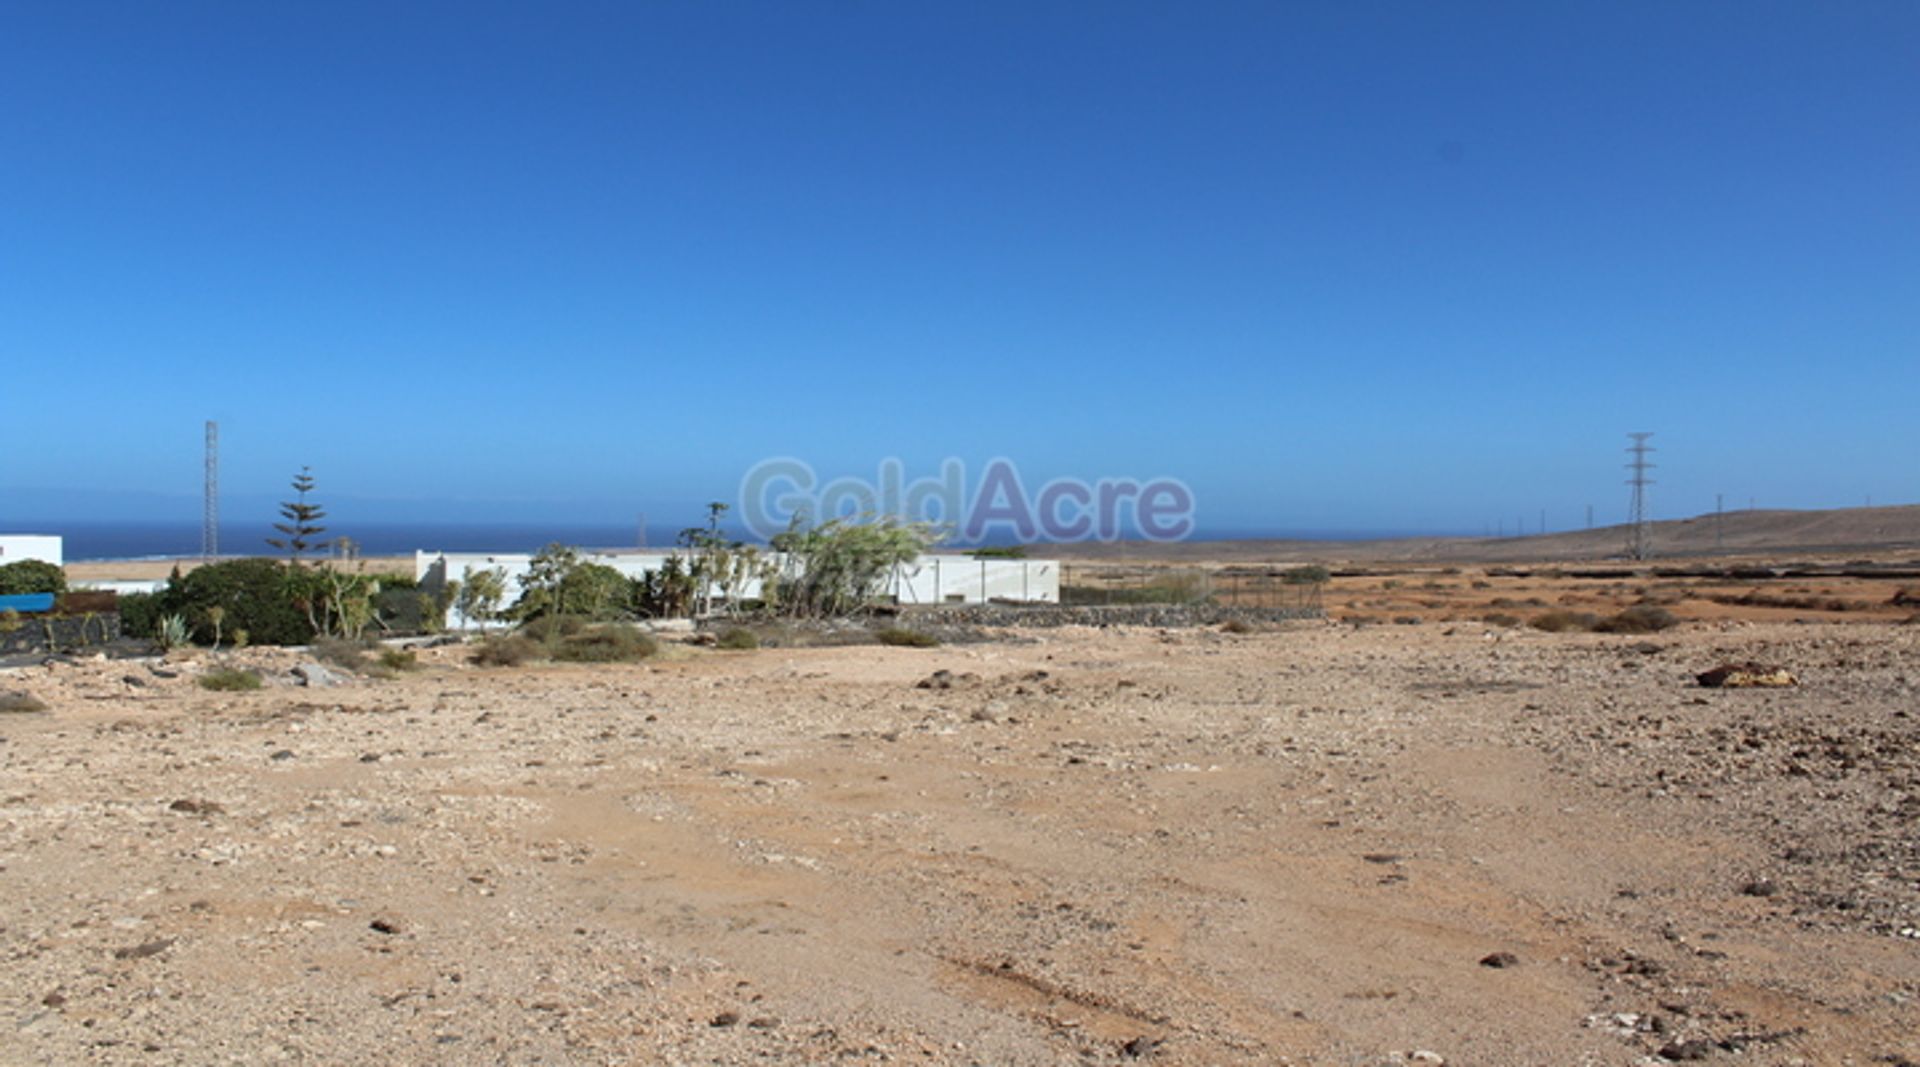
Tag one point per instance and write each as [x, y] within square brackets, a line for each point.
[1443, 841]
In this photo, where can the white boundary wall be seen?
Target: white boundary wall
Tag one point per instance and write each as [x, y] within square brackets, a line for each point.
[47, 548]
[930, 579]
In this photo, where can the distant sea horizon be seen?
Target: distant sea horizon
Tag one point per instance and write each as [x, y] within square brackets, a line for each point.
[98, 540]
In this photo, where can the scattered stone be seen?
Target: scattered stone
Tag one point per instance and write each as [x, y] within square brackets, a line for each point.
[1746, 676]
[283, 754]
[384, 926]
[143, 950]
[724, 1019]
[195, 807]
[16, 701]
[1696, 1049]
[1382, 857]
[54, 999]
[1500, 960]
[314, 676]
[945, 679]
[764, 1022]
[1759, 887]
[1140, 1047]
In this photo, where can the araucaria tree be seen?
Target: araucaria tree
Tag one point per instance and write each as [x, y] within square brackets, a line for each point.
[302, 526]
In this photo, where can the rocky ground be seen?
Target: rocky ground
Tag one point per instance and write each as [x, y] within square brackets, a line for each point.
[1428, 843]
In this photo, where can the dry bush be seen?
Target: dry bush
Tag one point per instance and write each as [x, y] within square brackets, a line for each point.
[550, 630]
[1639, 619]
[606, 643]
[399, 659]
[904, 638]
[1501, 618]
[347, 655]
[1236, 626]
[229, 680]
[509, 651]
[738, 639]
[1565, 622]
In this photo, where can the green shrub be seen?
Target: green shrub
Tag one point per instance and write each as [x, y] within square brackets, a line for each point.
[399, 659]
[139, 614]
[510, 650]
[229, 680]
[607, 643]
[31, 576]
[738, 639]
[1564, 622]
[1307, 574]
[1639, 619]
[261, 596]
[904, 638]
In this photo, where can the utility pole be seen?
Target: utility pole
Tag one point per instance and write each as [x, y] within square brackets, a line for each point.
[1719, 513]
[210, 498]
[1639, 544]
[1589, 516]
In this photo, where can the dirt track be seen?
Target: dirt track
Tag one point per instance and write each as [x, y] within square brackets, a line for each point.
[1185, 847]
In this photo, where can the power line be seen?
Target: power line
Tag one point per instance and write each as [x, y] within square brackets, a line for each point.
[1639, 541]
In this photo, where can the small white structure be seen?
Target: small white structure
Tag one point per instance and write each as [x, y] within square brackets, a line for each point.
[930, 579]
[122, 586]
[47, 548]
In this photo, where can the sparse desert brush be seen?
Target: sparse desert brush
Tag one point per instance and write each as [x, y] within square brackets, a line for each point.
[347, 655]
[1639, 619]
[606, 643]
[20, 703]
[510, 650]
[1565, 622]
[229, 680]
[1236, 626]
[399, 659]
[1501, 618]
[738, 639]
[552, 629]
[905, 638]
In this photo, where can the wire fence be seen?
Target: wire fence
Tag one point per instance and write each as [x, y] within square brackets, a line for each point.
[1284, 587]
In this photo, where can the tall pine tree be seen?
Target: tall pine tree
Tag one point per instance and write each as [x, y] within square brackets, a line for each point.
[302, 528]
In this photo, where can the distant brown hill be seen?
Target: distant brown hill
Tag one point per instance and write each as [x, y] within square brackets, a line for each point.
[1860, 531]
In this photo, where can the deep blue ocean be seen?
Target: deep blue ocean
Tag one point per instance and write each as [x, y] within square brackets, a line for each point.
[127, 540]
[112, 540]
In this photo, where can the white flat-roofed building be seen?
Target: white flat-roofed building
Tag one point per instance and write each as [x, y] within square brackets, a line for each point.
[929, 579]
[47, 548]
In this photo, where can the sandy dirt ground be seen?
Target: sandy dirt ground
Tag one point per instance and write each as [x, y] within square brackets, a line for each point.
[1443, 842]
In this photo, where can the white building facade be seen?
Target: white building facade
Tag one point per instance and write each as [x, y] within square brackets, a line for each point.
[47, 548]
[929, 579]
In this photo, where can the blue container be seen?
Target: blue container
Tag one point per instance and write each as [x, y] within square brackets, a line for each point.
[27, 603]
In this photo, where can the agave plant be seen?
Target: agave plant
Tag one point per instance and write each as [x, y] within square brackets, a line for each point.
[170, 632]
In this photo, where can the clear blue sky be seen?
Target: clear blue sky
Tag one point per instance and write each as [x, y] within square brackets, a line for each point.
[1381, 265]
